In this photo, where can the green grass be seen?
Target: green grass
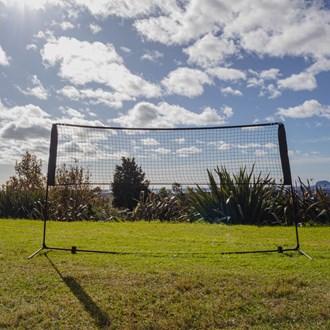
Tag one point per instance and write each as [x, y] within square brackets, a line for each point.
[171, 277]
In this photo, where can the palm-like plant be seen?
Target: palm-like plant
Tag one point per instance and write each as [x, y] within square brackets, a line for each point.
[241, 198]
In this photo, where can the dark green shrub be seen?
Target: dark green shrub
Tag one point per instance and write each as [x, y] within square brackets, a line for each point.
[241, 198]
[312, 204]
[165, 205]
[128, 184]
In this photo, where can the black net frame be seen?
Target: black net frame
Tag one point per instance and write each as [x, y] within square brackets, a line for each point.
[172, 155]
[267, 140]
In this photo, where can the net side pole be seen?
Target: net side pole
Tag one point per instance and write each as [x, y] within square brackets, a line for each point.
[50, 182]
[52, 156]
[284, 155]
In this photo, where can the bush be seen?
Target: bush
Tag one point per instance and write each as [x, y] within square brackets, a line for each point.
[239, 199]
[164, 206]
[312, 204]
[73, 198]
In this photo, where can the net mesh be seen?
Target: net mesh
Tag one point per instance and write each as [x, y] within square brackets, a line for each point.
[170, 156]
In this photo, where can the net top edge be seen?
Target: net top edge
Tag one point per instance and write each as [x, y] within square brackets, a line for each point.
[171, 128]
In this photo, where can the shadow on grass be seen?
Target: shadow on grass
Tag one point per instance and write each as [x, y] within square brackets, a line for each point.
[101, 319]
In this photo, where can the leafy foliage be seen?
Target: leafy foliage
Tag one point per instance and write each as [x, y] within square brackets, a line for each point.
[25, 190]
[128, 183]
[313, 205]
[238, 199]
[164, 206]
[74, 197]
[242, 198]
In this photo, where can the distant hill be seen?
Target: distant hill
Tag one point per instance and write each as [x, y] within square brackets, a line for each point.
[324, 185]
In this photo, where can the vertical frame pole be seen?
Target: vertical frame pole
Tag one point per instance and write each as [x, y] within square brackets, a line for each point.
[50, 182]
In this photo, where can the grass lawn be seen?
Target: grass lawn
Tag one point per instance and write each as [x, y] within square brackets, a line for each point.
[171, 276]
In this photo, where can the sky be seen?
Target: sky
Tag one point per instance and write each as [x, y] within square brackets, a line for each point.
[165, 63]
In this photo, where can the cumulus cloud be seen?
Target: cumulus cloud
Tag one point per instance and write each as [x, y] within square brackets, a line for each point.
[226, 74]
[274, 28]
[221, 145]
[162, 151]
[4, 59]
[185, 22]
[184, 152]
[270, 74]
[77, 117]
[37, 89]
[210, 51]
[149, 142]
[82, 62]
[187, 82]
[262, 80]
[152, 56]
[146, 114]
[95, 28]
[29, 125]
[230, 91]
[308, 109]
[66, 26]
[95, 96]
[299, 82]
[124, 8]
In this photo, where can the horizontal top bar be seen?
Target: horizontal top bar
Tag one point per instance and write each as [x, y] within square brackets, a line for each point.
[169, 129]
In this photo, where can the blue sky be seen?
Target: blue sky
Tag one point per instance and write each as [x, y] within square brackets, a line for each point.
[165, 63]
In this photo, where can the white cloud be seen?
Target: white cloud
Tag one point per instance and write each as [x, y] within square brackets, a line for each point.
[23, 128]
[72, 113]
[95, 28]
[261, 81]
[210, 51]
[227, 74]
[221, 145]
[37, 90]
[228, 111]
[4, 59]
[230, 91]
[126, 50]
[146, 114]
[66, 26]
[152, 56]
[162, 151]
[123, 8]
[281, 28]
[270, 74]
[299, 82]
[95, 96]
[82, 62]
[319, 66]
[31, 47]
[270, 91]
[308, 109]
[185, 22]
[184, 152]
[187, 82]
[274, 28]
[149, 142]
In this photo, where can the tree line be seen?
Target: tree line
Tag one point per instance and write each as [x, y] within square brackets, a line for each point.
[242, 198]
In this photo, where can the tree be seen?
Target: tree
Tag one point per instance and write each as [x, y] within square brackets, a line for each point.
[29, 176]
[128, 183]
[25, 191]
